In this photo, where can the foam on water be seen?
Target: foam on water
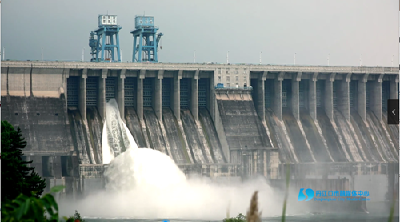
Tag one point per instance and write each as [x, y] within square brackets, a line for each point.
[145, 183]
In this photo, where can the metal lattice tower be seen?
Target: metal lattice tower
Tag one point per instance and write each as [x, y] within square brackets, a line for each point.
[145, 40]
[104, 46]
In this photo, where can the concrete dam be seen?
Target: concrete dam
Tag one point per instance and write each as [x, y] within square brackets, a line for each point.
[325, 122]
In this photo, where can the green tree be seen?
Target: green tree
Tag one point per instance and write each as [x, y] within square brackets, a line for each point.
[17, 177]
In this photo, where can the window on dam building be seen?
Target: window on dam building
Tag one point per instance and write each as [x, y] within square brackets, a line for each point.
[228, 78]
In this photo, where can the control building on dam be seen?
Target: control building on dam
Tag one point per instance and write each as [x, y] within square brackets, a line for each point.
[324, 121]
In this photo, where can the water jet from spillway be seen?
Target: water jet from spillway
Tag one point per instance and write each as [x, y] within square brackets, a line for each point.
[116, 136]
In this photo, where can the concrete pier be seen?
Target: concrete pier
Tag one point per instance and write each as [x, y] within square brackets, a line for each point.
[312, 96]
[394, 87]
[295, 95]
[101, 102]
[344, 95]
[121, 93]
[139, 98]
[261, 95]
[82, 94]
[329, 96]
[278, 95]
[177, 95]
[194, 102]
[362, 97]
[157, 102]
[376, 102]
[212, 102]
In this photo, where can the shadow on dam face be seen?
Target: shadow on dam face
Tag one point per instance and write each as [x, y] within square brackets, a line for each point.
[212, 136]
[315, 139]
[301, 148]
[175, 137]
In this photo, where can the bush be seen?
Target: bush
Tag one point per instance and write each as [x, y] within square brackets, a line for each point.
[75, 218]
[31, 208]
[239, 218]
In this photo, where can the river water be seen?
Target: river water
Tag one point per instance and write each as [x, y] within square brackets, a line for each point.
[311, 218]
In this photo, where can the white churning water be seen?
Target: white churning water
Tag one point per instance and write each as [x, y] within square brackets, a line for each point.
[145, 183]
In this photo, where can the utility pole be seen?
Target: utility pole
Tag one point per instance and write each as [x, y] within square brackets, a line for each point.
[328, 58]
[392, 59]
[83, 54]
[260, 57]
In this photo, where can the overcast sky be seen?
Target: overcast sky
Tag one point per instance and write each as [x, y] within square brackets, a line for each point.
[312, 29]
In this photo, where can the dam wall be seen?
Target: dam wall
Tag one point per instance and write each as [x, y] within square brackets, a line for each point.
[279, 114]
[45, 125]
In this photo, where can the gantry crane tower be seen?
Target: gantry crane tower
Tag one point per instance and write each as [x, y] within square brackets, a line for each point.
[103, 47]
[145, 40]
